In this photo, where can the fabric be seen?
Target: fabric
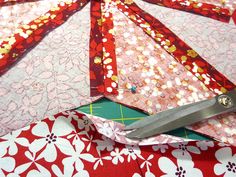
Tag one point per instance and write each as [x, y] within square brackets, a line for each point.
[68, 144]
[52, 77]
[143, 76]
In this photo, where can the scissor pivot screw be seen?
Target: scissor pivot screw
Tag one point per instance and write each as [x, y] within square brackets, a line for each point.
[225, 101]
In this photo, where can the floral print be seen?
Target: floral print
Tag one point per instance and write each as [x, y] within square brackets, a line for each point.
[72, 157]
[54, 77]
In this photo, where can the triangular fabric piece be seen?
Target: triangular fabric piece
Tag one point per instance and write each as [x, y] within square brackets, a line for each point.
[52, 77]
[213, 40]
[161, 82]
[16, 14]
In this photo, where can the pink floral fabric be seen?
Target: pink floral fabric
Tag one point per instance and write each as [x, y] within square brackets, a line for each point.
[214, 41]
[115, 131]
[52, 77]
[161, 83]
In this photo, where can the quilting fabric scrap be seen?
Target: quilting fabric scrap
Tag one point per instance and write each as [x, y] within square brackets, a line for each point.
[68, 144]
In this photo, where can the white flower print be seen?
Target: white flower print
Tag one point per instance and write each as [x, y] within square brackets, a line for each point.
[147, 163]
[203, 145]
[67, 173]
[227, 165]
[52, 139]
[117, 156]
[6, 163]
[41, 171]
[132, 151]
[70, 114]
[85, 123]
[106, 143]
[99, 161]
[161, 147]
[90, 140]
[56, 170]
[105, 129]
[183, 149]
[11, 140]
[136, 175]
[75, 157]
[184, 167]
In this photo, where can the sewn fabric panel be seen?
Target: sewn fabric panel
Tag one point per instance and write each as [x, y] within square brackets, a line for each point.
[213, 40]
[176, 47]
[52, 77]
[214, 127]
[161, 82]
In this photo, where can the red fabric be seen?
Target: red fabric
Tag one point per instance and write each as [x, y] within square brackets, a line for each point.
[45, 149]
[234, 16]
[109, 57]
[10, 2]
[95, 50]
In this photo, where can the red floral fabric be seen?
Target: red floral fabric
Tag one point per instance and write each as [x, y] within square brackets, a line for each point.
[95, 50]
[68, 144]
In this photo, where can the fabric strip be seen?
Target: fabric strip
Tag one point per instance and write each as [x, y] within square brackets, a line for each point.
[204, 9]
[192, 61]
[95, 50]
[234, 16]
[109, 55]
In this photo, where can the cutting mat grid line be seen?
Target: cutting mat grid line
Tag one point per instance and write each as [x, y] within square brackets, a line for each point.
[122, 114]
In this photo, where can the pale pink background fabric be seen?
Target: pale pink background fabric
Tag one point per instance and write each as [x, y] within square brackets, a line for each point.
[52, 77]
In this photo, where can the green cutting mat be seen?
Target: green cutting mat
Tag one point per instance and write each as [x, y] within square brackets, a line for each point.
[119, 113]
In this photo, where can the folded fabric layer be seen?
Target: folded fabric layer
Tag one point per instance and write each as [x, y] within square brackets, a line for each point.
[68, 144]
[52, 77]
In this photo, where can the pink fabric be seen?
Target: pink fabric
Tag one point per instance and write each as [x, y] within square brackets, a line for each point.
[161, 82]
[52, 77]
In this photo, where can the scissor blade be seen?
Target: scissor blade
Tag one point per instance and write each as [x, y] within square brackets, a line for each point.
[204, 110]
[153, 118]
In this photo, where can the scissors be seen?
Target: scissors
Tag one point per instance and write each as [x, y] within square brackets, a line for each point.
[181, 116]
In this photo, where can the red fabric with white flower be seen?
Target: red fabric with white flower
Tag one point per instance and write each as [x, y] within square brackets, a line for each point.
[68, 144]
